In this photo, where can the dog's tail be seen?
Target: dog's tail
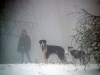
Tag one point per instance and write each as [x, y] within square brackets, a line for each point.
[65, 60]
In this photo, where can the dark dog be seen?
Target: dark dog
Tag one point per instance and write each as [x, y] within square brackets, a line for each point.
[49, 49]
[76, 55]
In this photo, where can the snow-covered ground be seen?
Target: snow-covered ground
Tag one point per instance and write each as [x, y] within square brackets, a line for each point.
[47, 69]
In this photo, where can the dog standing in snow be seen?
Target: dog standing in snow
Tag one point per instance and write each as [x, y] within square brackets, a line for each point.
[50, 49]
[76, 54]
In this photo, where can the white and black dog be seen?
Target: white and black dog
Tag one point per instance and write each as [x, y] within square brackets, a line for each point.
[50, 49]
[76, 54]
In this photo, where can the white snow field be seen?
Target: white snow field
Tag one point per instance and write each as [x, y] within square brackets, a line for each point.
[47, 69]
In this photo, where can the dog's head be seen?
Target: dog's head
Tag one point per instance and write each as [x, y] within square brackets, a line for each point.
[42, 43]
[70, 48]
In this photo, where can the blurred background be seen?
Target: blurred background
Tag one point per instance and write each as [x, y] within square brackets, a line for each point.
[43, 19]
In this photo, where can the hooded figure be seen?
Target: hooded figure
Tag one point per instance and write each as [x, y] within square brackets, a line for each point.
[24, 45]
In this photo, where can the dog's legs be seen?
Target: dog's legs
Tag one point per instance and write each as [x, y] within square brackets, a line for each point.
[80, 61]
[75, 61]
[46, 61]
[58, 60]
[46, 57]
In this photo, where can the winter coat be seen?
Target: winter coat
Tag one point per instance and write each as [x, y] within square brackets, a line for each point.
[24, 43]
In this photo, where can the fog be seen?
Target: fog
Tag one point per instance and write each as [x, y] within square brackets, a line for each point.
[43, 19]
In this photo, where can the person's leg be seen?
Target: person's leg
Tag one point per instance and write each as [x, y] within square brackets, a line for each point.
[28, 56]
[22, 56]
[80, 61]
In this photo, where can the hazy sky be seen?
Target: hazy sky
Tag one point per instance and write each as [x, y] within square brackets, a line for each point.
[52, 22]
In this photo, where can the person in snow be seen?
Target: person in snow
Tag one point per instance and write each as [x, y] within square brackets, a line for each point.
[24, 45]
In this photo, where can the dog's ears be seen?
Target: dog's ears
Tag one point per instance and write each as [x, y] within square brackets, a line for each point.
[40, 41]
[43, 41]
